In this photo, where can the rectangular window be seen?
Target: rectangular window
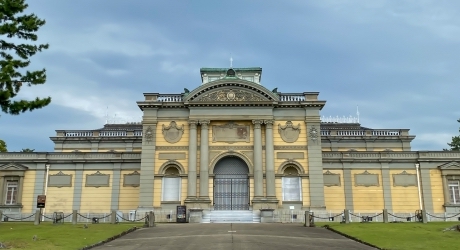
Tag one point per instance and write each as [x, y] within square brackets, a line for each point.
[171, 189]
[454, 191]
[11, 192]
[291, 189]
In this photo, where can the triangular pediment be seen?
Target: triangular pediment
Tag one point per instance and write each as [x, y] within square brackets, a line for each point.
[225, 90]
[13, 167]
[450, 166]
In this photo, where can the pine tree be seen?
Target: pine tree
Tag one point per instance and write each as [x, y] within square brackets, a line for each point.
[14, 56]
[3, 146]
[455, 144]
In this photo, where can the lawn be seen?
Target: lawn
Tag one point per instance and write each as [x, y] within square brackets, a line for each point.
[402, 236]
[19, 235]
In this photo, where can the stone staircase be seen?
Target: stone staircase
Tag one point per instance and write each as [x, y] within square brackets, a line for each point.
[230, 216]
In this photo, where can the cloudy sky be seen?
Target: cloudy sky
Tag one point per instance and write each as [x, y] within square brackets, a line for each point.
[397, 60]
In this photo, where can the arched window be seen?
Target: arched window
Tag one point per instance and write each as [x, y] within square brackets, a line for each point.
[171, 184]
[291, 183]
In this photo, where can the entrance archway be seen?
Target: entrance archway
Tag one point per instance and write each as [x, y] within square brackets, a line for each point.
[231, 184]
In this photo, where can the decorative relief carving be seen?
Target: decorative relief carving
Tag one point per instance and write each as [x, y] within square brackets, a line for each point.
[331, 179]
[230, 95]
[97, 179]
[290, 147]
[173, 133]
[313, 133]
[231, 148]
[60, 180]
[172, 156]
[132, 180]
[171, 148]
[290, 155]
[404, 179]
[257, 123]
[204, 124]
[289, 132]
[149, 134]
[366, 179]
[230, 133]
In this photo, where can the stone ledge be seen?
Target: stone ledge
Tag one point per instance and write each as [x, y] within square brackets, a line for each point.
[111, 238]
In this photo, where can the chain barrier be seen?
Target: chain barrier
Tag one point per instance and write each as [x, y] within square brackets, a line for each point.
[403, 218]
[46, 217]
[357, 216]
[443, 217]
[66, 216]
[317, 217]
[375, 215]
[6, 216]
[103, 217]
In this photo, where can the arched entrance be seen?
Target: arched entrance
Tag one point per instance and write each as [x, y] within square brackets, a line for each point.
[231, 184]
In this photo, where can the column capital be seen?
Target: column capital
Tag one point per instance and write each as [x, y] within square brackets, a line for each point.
[204, 124]
[268, 124]
[193, 124]
[257, 123]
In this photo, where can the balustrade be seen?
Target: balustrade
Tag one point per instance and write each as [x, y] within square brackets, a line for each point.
[292, 98]
[78, 134]
[170, 98]
[112, 133]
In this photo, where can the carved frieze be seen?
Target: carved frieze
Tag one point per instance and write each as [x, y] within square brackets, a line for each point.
[149, 134]
[366, 179]
[290, 147]
[97, 179]
[230, 95]
[290, 155]
[313, 133]
[132, 179]
[404, 179]
[60, 180]
[173, 133]
[289, 132]
[171, 148]
[230, 133]
[331, 179]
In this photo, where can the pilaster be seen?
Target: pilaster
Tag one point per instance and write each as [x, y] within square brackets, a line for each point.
[78, 186]
[270, 162]
[258, 172]
[315, 163]
[192, 151]
[386, 184]
[147, 165]
[116, 175]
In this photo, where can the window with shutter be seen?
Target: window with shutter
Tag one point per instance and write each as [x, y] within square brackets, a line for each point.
[171, 188]
[291, 189]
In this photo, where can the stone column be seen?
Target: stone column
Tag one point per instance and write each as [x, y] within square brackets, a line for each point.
[258, 174]
[191, 183]
[269, 160]
[147, 166]
[204, 158]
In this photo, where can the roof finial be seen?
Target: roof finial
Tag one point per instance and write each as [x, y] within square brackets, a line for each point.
[231, 62]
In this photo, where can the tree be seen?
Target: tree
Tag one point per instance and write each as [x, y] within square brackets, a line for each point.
[3, 146]
[28, 150]
[14, 56]
[455, 144]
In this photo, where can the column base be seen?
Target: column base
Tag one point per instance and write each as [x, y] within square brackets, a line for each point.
[264, 203]
[197, 202]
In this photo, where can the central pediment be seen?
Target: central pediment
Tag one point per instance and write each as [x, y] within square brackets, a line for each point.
[235, 90]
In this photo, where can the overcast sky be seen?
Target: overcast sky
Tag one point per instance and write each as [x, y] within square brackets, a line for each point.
[397, 60]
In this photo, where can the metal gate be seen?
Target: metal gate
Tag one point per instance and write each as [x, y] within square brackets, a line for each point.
[231, 184]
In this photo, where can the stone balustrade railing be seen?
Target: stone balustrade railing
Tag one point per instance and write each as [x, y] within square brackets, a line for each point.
[292, 97]
[137, 133]
[58, 156]
[391, 155]
[170, 98]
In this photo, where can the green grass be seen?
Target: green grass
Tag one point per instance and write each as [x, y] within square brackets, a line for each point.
[18, 235]
[402, 236]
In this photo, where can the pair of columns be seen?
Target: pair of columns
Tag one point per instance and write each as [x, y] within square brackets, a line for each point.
[258, 160]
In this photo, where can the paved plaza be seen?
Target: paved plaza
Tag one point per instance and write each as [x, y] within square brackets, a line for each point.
[232, 236]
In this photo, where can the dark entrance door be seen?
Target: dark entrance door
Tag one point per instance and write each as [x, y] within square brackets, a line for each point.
[231, 184]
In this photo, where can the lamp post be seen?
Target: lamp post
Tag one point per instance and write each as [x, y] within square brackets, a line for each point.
[47, 165]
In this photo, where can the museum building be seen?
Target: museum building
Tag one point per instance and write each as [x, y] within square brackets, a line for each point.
[231, 144]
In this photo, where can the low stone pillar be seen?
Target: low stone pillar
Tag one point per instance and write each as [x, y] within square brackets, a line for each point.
[266, 215]
[1, 216]
[37, 217]
[346, 214]
[74, 217]
[113, 217]
[307, 219]
[195, 215]
[424, 218]
[385, 216]
[151, 219]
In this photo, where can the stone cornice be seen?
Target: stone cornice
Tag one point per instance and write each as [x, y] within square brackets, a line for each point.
[403, 156]
[69, 157]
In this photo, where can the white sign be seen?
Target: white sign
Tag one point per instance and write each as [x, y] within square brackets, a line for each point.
[291, 207]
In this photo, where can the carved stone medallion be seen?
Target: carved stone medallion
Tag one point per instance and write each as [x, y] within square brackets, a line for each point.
[173, 133]
[289, 132]
[313, 133]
